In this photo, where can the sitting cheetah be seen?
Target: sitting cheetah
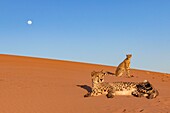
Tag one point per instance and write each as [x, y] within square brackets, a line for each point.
[137, 89]
[123, 66]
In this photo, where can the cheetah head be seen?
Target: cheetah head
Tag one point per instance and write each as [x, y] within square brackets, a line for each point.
[147, 90]
[128, 56]
[97, 76]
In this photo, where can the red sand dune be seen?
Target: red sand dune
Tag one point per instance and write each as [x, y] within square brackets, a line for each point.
[34, 85]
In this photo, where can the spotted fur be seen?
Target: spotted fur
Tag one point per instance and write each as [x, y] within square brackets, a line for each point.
[137, 89]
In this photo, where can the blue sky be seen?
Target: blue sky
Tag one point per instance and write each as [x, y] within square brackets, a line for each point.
[93, 31]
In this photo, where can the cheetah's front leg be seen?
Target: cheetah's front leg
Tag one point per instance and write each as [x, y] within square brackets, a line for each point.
[110, 94]
[93, 93]
[88, 94]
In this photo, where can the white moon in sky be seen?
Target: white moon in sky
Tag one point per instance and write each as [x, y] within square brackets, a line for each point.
[29, 22]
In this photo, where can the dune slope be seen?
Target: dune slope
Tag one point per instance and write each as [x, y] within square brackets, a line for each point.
[35, 85]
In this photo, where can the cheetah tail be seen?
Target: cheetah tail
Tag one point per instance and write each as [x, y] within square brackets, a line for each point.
[110, 73]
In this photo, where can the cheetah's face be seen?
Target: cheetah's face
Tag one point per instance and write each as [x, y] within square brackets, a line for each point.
[98, 77]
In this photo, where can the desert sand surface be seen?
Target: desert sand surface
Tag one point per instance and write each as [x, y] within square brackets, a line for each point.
[35, 85]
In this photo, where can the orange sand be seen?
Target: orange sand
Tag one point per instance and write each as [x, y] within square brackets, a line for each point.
[34, 85]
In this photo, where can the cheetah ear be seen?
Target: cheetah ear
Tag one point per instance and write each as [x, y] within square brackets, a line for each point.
[128, 55]
[92, 73]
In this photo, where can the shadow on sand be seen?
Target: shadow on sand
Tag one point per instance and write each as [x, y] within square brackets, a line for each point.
[86, 87]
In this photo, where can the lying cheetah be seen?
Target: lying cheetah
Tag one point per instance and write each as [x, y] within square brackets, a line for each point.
[137, 89]
[123, 66]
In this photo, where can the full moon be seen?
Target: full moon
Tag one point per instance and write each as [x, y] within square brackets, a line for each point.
[29, 22]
